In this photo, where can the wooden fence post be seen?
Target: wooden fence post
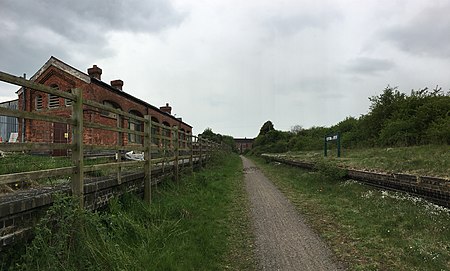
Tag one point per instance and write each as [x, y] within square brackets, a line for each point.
[118, 153]
[200, 151]
[77, 152]
[176, 150]
[147, 158]
[191, 156]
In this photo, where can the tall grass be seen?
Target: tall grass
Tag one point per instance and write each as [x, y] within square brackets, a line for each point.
[433, 160]
[191, 225]
[367, 228]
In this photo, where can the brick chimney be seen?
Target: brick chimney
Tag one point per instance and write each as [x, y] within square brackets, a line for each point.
[166, 109]
[117, 84]
[95, 72]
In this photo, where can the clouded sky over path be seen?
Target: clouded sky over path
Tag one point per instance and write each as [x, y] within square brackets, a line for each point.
[232, 64]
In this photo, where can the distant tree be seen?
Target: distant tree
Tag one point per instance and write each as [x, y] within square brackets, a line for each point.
[218, 138]
[267, 126]
[208, 134]
[296, 129]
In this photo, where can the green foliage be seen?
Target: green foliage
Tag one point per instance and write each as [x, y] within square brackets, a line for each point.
[273, 141]
[395, 119]
[330, 169]
[425, 160]
[218, 138]
[189, 226]
[267, 127]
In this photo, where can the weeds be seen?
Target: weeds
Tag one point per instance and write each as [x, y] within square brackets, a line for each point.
[190, 225]
[431, 160]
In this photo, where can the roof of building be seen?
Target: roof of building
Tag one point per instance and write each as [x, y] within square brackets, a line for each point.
[53, 61]
[244, 140]
[10, 101]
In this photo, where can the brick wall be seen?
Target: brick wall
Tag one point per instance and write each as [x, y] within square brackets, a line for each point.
[95, 90]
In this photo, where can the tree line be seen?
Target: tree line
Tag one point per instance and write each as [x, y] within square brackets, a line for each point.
[218, 138]
[395, 119]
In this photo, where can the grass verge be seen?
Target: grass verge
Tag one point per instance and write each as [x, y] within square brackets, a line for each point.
[431, 160]
[200, 223]
[367, 229]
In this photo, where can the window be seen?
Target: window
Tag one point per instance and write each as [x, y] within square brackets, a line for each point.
[166, 132]
[135, 125]
[182, 137]
[68, 102]
[155, 131]
[53, 100]
[112, 105]
[39, 104]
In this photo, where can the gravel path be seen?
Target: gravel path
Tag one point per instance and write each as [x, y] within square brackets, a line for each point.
[283, 240]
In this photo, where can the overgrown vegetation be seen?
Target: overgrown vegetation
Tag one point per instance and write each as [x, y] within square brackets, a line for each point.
[367, 229]
[198, 224]
[429, 160]
[394, 120]
[19, 162]
[225, 140]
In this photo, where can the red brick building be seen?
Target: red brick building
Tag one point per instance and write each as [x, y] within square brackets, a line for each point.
[59, 75]
[243, 144]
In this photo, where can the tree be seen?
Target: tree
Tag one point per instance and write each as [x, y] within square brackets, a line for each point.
[267, 126]
[296, 129]
[218, 138]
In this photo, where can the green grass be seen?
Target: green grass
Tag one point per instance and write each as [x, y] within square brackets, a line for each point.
[199, 224]
[432, 160]
[367, 229]
[16, 163]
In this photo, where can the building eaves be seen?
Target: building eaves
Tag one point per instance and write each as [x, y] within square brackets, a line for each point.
[131, 97]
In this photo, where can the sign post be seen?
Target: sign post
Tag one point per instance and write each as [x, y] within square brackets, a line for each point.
[333, 137]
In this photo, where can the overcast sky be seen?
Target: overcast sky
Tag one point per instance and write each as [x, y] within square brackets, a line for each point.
[232, 65]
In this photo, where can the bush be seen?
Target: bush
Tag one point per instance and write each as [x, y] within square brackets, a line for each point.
[330, 170]
[439, 131]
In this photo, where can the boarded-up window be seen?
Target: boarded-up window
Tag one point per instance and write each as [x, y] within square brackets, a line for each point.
[68, 102]
[39, 104]
[111, 104]
[135, 125]
[53, 100]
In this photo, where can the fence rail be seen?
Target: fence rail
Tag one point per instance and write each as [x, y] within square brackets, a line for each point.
[168, 145]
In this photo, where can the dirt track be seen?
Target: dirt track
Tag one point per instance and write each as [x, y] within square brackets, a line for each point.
[283, 240]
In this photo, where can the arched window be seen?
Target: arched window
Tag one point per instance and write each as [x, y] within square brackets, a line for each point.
[135, 125]
[109, 114]
[39, 103]
[53, 100]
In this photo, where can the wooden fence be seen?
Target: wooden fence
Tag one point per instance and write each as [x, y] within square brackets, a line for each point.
[169, 145]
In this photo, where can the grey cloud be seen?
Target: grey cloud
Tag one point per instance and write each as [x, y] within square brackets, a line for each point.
[286, 25]
[426, 34]
[39, 29]
[322, 87]
[369, 66]
[81, 19]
